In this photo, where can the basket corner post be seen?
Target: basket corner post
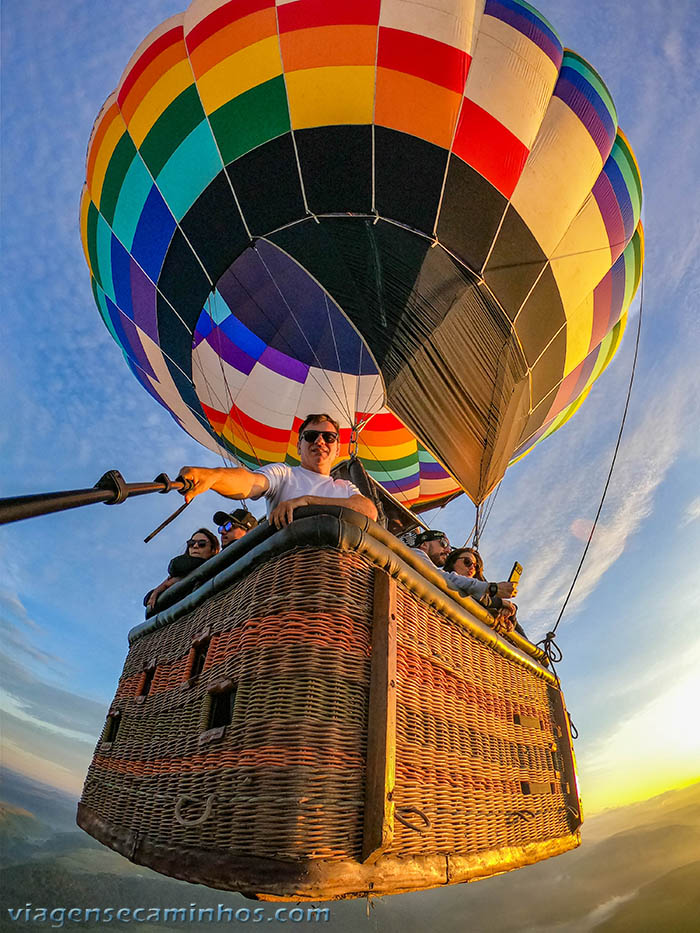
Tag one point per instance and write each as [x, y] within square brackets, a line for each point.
[378, 831]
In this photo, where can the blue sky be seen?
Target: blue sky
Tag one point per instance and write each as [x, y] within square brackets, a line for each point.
[73, 582]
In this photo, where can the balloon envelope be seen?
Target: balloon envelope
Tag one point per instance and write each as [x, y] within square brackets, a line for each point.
[420, 219]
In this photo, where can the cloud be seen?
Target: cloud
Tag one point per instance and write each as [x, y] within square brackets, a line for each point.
[18, 630]
[646, 669]
[77, 410]
[684, 262]
[49, 707]
[646, 455]
[15, 640]
[581, 528]
[692, 512]
[44, 755]
[66, 379]
[11, 604]
[674, 51]
[48, 733]
[551, 498]
[12, 707]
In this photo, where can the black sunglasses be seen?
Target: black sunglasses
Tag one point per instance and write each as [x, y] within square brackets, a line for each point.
[330, 437]
[196, 542]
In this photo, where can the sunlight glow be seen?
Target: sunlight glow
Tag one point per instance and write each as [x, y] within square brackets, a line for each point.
[655, 750]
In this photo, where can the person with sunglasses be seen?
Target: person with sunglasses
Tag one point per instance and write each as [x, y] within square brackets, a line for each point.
[284, 487]
[467, 562]
[433, 547]
[202, 545]
[234, 525]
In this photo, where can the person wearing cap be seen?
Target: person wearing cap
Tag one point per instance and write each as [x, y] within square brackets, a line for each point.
[234, 525]
[284, 487]
[433, 547]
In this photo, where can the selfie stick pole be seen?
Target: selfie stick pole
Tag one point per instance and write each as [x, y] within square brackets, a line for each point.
[110, 489]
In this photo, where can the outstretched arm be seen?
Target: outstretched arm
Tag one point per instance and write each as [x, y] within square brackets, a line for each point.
[470, 586]
[282, 514]
[232, 482]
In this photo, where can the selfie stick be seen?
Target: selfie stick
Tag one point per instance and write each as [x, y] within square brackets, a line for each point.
[111, 489]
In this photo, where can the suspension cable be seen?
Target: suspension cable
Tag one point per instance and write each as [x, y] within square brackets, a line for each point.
[476, 533]
[551, 634]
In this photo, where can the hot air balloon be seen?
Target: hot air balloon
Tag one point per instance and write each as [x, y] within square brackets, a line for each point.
[425, 221]
[427, 225]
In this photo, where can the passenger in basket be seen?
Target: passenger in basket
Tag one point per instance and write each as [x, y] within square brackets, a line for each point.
[234, 525]
[434, 547]
[286, 488]
[467, 562]
[200, 547]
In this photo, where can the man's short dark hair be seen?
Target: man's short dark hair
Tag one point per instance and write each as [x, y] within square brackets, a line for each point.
[315, 419]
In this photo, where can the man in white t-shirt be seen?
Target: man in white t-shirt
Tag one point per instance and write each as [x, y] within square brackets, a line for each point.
[286, 488]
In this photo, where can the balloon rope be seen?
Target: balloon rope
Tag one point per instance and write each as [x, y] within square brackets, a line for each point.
[331, 390]
[368, 403]
[470, 536]
[231, 403]
[487, 509]
[477, 528]
[491, 500]
[428, 521]
[350, 413]
[612, 464]
[325, 391]
[357, 387]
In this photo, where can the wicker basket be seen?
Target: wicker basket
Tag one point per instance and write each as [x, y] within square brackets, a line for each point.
[319, 718]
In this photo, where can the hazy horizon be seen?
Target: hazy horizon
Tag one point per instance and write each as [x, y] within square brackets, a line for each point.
[599, 886]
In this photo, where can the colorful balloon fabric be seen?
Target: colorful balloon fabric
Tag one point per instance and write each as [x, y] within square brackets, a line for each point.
[420, 219]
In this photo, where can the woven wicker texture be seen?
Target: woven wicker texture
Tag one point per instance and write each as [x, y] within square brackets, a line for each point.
[286, 778]
[461, 758]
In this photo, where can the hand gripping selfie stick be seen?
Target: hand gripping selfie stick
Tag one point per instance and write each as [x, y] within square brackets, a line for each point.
[110, 489]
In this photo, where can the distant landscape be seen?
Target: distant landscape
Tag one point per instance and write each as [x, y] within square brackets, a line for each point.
[638, 870]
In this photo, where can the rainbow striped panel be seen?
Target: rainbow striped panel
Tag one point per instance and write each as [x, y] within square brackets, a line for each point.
[580, 383]
[422, 65]
[572, 145]
[328, 51]
[296, 205]
[609, 303]
[510, 83]
[259, 359]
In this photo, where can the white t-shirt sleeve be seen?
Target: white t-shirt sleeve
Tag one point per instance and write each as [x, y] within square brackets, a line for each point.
[277, 474]
[350, 488]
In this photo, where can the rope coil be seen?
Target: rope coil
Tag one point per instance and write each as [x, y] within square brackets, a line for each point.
[515, 815]
[551, 648]
[407, 823]
[184, 801]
